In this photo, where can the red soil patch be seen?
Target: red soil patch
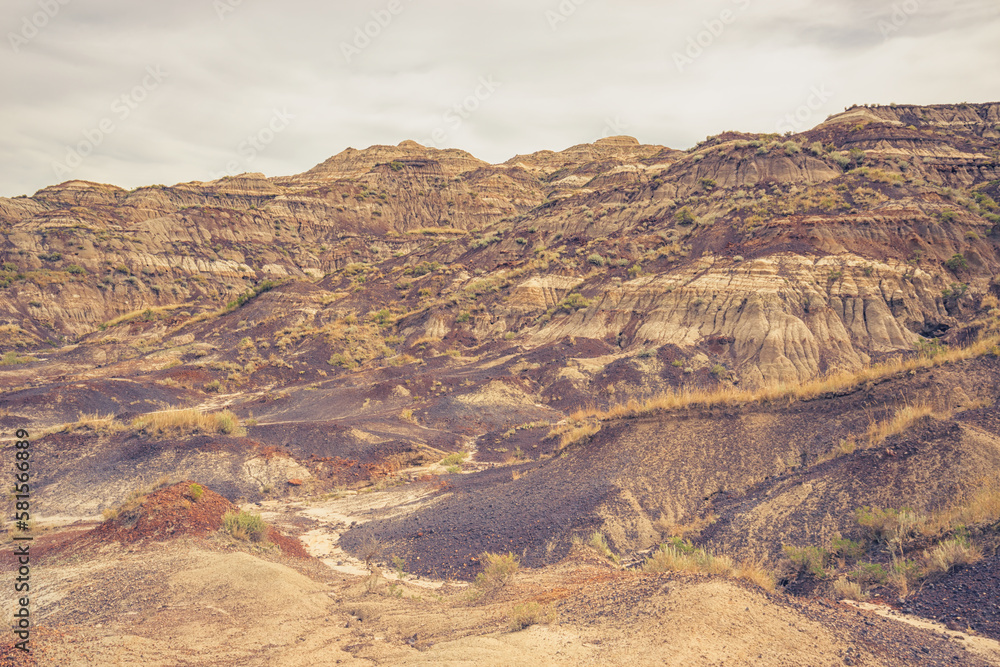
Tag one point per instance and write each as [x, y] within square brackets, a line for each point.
[173, 511]
[166, 513]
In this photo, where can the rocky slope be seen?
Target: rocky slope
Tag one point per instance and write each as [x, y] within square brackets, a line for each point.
[396, 307]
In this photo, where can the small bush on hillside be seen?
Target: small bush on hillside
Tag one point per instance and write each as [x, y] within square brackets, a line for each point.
[849, 590]
[244, 526]
[528, 614]
[196, 491]
[957, 262]
[809, 559]
[684, 216]
[498, 570]
[950, 554]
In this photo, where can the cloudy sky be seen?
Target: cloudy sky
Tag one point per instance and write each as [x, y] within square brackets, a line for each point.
[134, 93]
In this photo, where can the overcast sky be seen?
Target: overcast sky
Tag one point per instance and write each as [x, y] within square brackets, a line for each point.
[135, 93]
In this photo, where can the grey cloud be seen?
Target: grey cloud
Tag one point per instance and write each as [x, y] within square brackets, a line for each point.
[560, 86]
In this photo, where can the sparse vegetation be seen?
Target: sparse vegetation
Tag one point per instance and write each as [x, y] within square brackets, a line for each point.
[680, 555]
[530, 613]
[245, 526]
[498, 570]
[178, 423]
[687, 397]
[599, 543]
[13, 358]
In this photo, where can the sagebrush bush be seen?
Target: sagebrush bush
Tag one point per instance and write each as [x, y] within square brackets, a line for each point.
[498, 570]
[528, 614]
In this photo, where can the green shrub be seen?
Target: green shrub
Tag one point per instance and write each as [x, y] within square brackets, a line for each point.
[245, 526]
[849, 549]
[684, 216]
[196, 491]
[595, 259]
[13, 358]
[396, 165]
[809, 559]
[957, 262]
[422, 269]
[75, 269]
[869, 574]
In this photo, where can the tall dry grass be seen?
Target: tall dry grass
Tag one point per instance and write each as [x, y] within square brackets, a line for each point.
[905, 417]
[189, 421]
[681, 556]
[731, 396]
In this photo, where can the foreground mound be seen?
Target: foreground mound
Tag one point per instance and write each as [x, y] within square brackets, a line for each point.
[184, 508]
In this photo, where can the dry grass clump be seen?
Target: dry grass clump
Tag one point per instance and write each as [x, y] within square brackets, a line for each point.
[949, 554]
[849, 590]
[902, 420]
[144, 314]
[528, 614]
[93, 422]
[186, 422]
[498, 570]
[681, 556]
[981, 508]
[245, 526]
[731, 396]
[573, 431]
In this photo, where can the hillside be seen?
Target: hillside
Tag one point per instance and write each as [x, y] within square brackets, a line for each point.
[739, 344]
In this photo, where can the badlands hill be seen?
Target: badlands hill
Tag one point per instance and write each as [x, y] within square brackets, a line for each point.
[739, 344]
